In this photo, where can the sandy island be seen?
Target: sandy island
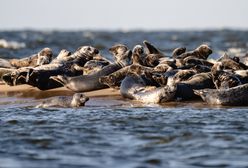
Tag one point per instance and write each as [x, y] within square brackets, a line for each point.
[29, 91]
[103, 97]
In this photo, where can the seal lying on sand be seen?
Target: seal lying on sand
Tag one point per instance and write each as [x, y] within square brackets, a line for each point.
[78, 99]
[40, 76]
[91, 82]
[153, 55]
[224, 79]
[235, 96]
[41, 58]
[133, 87]
[201, 52]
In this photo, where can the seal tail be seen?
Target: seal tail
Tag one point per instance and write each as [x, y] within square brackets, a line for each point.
[59, 78]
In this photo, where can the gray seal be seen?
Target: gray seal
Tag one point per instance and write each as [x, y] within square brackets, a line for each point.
[235, 96]
[40, 76]
[135, 88]
[78, 99]
[91, 82]
[42, 57]
[201, 52]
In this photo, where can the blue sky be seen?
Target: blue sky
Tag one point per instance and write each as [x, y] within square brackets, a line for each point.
[123, 15]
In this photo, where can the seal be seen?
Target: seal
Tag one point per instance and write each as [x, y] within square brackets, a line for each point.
[114, 79]
[231, 63]
[91, 82]
[42, 57]
[197, 81]
[178, 51]
[93, 66]
[78, 100]
[133, 87]
[4, 71]
[17, 76]
[224, 79]
[201, 52]
[118, 51]
[151, 49]
[153, 55]
[191, 60]
[62, 56]
[5, 64]
[235, 96]
[40, 76]
[138, 56]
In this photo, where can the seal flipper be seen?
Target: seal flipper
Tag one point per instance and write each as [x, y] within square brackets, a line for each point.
[61, 79]
[151, 49]
[202, 93]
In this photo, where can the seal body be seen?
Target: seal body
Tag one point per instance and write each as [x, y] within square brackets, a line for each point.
[84, 83]
[234, 96]
[92, 82]
[78, 99]
[135, 88]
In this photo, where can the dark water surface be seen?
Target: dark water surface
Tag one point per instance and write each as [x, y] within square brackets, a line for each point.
[117, 133]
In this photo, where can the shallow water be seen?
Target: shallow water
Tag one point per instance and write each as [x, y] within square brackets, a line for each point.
[113, 132]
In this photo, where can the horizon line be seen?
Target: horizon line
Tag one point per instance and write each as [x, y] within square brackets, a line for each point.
[126, 29]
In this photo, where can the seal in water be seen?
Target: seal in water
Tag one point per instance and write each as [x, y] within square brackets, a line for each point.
[235, 96]
[78, 99]
[91, 82]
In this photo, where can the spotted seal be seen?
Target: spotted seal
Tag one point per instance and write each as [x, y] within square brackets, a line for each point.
[78, 99]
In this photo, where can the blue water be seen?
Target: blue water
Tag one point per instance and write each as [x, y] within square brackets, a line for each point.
[114, 132]
[124, 137]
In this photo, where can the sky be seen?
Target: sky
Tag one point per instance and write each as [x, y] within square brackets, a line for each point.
[123, 15]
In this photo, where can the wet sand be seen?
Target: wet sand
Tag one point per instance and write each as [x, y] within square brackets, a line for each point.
[29, 91]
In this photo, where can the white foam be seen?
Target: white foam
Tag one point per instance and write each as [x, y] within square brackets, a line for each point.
[11, 44]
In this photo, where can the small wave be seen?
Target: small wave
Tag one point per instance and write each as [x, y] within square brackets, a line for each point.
[11, 44]
[236, 51]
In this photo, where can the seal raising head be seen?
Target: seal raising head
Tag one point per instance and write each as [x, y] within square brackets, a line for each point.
[204, 51]
[44, 56]
[118, 51]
